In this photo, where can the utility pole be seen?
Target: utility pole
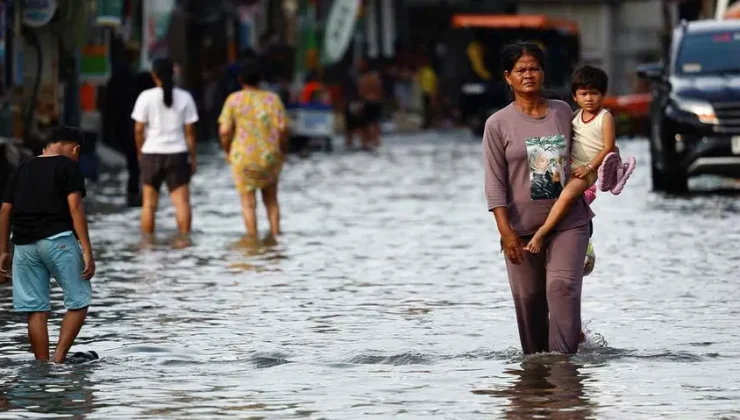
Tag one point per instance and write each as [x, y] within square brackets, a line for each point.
[721, 9]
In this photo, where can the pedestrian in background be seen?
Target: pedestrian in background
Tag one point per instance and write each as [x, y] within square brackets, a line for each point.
[253, 128]
[165, 119]
[370, 90]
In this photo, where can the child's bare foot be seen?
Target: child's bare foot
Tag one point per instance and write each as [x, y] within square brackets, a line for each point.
[535, 244]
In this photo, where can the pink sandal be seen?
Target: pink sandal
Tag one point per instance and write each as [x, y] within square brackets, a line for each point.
[623, 174]
[613, 174]
[608, 171]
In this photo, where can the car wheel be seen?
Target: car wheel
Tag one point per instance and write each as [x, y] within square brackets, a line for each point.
[677, 183]
[671, 180]
[657, 177]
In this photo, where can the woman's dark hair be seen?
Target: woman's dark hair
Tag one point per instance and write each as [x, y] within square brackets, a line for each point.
[511, 53]
[165, 72]
[250, 72]
[589, 77]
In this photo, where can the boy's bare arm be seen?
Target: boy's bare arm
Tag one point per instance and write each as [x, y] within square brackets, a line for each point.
[5, 212]
[79, 220]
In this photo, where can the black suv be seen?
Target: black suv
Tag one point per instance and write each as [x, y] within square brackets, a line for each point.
[695, 111]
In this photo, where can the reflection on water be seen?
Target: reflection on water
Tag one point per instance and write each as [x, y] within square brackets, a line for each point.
[266, 250]
[551, 387]
[386, 297]
[45, 389]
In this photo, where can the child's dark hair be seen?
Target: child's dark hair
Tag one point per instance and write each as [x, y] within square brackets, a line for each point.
[250, 72]
[589, 77]
[511, 53]
[164, 69]
[66, 134]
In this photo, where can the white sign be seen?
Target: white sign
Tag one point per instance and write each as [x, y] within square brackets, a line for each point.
[339, 28]
[37, 13]
[312, 122]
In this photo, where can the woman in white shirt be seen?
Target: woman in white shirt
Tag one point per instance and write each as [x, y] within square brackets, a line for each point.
[165, 119]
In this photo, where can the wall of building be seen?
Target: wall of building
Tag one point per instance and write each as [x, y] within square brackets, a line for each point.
[616, 36]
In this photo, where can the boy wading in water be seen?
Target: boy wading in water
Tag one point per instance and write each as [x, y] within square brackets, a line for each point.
[594, 138]
[43, 204]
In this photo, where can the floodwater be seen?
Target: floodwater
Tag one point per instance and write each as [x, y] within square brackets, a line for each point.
[387, 298]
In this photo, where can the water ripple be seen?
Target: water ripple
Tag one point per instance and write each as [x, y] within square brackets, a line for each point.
[387, 297]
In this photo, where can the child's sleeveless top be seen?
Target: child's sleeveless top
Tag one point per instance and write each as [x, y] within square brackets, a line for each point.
[587, 138]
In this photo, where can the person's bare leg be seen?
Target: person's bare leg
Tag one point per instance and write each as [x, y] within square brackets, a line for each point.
[180, 197]
[573, 190]
[374, 134]
[249, 211]
[71, 325]
[38, 334]
[270, 198]
[365, 139]
[150, 200]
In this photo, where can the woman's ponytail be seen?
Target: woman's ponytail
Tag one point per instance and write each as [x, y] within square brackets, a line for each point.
[164, 70]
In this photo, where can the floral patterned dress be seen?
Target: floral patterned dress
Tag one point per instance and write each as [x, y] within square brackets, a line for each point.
[258, 118]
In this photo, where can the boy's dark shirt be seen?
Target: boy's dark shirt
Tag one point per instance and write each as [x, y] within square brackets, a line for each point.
[38, 191]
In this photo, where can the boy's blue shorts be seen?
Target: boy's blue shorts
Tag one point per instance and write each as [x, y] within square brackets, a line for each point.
[58, 256]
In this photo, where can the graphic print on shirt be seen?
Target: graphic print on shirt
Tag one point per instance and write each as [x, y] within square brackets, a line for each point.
[547, 158]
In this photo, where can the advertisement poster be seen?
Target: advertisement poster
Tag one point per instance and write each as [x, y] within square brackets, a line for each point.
[156, 25]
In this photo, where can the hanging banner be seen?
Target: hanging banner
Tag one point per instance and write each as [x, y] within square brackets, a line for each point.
[156, 17]
[109, 13]
[37, 13]
[340, 27]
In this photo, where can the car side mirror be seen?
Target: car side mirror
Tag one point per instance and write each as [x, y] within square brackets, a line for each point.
[651, 71]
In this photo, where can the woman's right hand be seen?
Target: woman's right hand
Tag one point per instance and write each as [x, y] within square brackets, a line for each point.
[513, 247]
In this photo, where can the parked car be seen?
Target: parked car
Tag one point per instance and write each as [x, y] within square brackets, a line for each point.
[695, 111]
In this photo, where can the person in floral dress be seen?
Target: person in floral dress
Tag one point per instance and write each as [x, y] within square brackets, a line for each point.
[253, 128]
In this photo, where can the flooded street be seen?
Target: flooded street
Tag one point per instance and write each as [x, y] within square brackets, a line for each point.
[387, 297]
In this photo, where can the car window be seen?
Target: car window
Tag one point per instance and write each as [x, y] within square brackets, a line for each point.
[709, 53]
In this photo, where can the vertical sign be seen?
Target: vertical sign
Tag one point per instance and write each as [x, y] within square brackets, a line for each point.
[156, 18]
[340, 26]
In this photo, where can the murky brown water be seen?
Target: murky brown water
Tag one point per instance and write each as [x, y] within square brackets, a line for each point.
[387, 298]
